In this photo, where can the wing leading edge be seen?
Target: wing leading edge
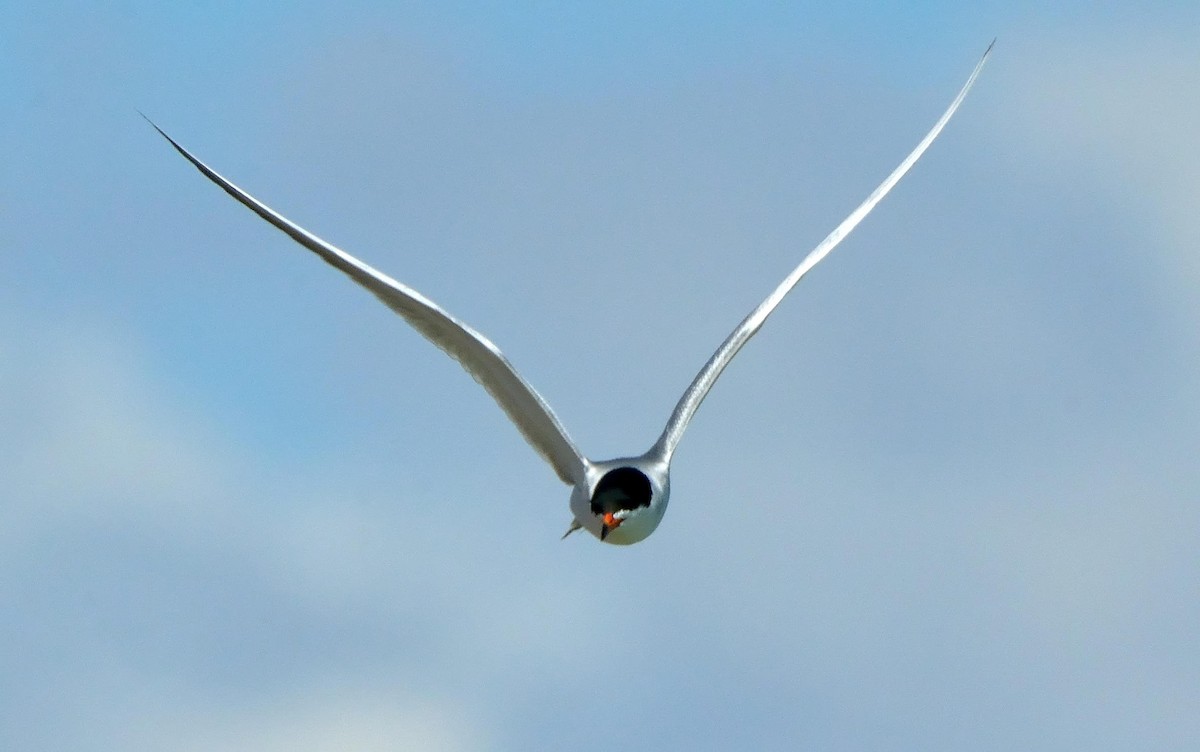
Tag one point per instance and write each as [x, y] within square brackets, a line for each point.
[749, 326]
[473, 351]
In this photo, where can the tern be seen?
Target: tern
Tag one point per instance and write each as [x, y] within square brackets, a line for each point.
[620, 501]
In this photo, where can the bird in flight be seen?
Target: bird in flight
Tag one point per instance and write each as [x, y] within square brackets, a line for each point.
[620, 501]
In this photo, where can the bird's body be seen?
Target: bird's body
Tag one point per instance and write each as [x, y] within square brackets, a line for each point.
[620, 501]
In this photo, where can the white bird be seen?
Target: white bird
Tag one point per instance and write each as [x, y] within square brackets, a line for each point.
[621, 500]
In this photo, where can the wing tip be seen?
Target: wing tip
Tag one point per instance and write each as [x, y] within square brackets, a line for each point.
[186, 154]
[154, 125]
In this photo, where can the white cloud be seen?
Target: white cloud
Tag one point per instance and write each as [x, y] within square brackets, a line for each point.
[180, 547]
[322, 721]
[89, 435]
[1114, 109]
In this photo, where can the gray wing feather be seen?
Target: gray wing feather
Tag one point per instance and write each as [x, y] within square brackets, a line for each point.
[476, 353]
[750, 325]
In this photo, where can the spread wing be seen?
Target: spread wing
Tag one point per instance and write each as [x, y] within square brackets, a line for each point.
[474, 352]
[750, 325]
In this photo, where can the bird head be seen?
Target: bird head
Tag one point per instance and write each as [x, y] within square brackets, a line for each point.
[622, 501]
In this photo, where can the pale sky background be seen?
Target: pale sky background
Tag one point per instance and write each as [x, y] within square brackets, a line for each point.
[948, 498]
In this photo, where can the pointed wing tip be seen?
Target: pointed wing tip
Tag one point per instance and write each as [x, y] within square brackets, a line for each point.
[986, 53]
[154, 125]
[187, 155]
[982, 60]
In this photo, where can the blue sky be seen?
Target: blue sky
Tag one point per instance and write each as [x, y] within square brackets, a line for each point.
[947, 498]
